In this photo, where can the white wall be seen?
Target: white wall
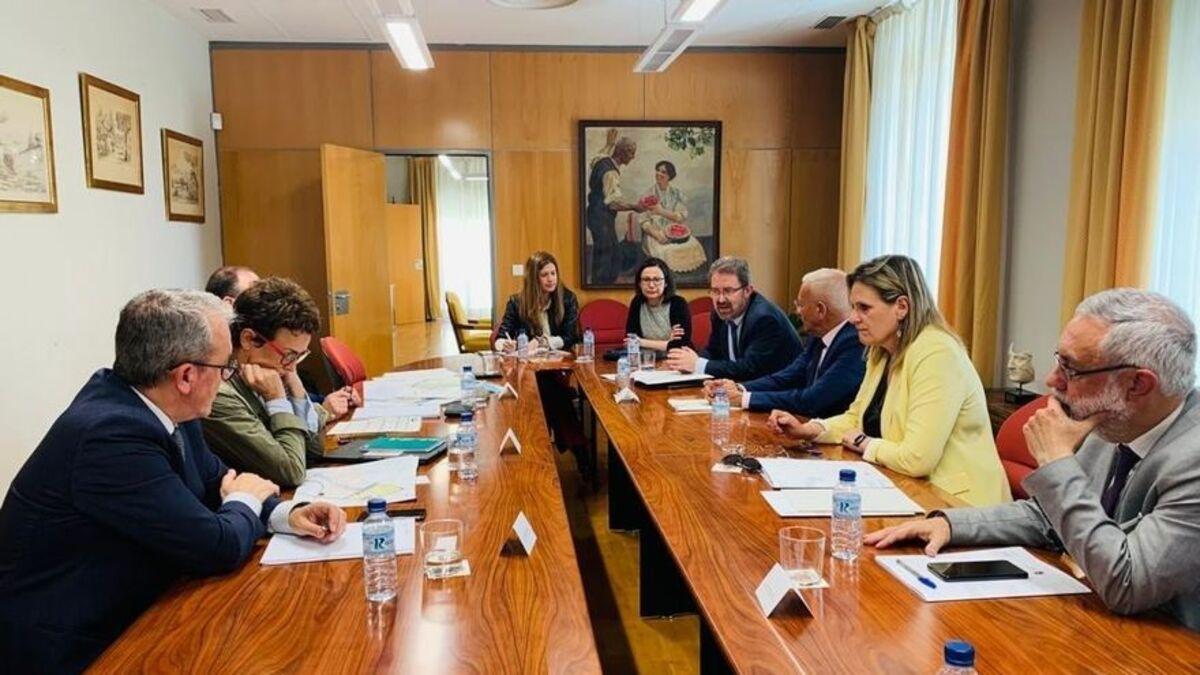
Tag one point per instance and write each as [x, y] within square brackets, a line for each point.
[66, 275]
[1045, 55]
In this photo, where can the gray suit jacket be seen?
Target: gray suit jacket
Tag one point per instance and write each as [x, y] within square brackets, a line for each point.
[1148, 557]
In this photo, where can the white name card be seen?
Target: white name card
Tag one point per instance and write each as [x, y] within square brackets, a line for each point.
[525, 533]
[508, 391]
[775, 588]
[510, 441]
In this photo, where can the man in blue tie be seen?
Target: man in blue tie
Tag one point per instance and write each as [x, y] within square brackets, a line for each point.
[823, 380]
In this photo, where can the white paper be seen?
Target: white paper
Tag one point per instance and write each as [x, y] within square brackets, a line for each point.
[447, 543]
[391, 389]
[1044, 579]
[652, 377]
[776, 586]
[510, 440]
[285, 549]
[687, 405]
[818, 502]
[819, 473]
[392, 479]
[525, 533]
[419, 375]
[375, 409]
[376, 425]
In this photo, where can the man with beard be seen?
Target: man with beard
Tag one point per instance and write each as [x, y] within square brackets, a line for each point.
[1118, 483]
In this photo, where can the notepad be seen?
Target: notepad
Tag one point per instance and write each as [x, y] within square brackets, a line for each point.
[395, 447]
[287, 549]
[1044, 579]
[819, 473]
[686, 405]
[819, 502]
[376, 426]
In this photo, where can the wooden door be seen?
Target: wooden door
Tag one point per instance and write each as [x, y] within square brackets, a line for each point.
[356, 253]
[407, 267]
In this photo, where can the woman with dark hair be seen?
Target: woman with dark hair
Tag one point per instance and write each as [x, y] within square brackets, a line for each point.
[544, 310]
[664, 234]
[656, 314]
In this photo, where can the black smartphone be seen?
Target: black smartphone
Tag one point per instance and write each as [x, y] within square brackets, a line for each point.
[977, 570]
[419, 514]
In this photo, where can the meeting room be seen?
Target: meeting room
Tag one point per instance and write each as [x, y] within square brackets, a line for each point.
[600, 336]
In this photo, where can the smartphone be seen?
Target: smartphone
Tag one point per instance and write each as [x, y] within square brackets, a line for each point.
[977, 570]
[419, 514]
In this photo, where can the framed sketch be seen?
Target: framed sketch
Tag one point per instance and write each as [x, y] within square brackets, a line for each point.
[183, 176]
[648, 189]
[112, 135]
[26, 149]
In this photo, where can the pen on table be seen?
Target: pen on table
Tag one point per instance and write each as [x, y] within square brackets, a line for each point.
[920, 577]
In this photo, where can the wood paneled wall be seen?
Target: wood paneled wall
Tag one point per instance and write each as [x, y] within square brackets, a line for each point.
[781, 114]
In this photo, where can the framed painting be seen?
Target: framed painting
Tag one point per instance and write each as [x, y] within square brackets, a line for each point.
[183, 176]
[648, 189]
[112, 135]
[26, 149]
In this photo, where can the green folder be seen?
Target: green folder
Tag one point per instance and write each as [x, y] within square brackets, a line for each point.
[401, 446]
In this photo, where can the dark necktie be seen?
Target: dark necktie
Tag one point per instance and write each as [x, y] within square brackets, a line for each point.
[814, 360]
[177, 436]
[1118, 475]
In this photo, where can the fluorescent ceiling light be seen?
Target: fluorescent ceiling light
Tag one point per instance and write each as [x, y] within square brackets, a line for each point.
[693, 11]
[408, 42]
[449, 167]
[670, 43]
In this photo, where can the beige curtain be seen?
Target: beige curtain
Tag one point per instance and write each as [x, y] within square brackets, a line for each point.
[973, 224]
[856, 105]
[1119, 98]
[422, 185]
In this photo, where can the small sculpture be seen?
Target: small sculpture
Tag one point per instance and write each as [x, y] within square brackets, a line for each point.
[1020, 372]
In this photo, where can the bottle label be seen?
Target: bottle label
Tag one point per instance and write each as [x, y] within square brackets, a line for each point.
[382, 542]
[847, 506]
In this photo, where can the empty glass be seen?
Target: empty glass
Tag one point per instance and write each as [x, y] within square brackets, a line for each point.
[491, 363]
[441, 546]
[802, 554]
[647, 358]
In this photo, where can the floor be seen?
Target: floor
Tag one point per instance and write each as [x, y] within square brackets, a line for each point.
[608, 561]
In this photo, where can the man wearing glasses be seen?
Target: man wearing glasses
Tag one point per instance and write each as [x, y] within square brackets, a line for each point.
[122, 497]
[262, 419]
[750, 337]
[1118, 453]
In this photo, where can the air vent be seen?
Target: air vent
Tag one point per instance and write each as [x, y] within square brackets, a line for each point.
[215, 15]
[670, 43]
[829, 22]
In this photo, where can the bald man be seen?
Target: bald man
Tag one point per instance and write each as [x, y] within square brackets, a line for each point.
[823, 380]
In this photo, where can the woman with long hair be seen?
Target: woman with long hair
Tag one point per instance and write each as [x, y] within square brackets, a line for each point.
[544, 310]
[920, 410]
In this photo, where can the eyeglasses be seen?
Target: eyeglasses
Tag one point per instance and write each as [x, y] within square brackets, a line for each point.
[653, 281]
[747, 464]
[227, 371]
[1075, 373]
[724, 292]
[287, 357]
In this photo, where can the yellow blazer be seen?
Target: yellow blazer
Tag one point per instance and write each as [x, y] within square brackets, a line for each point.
[934, 421]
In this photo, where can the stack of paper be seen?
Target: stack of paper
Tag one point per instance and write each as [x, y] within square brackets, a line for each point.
[374, 426]
[285, 549]
[819, 473]
[371, 410]
[689, 405]
[819, 502]
[667, 377]
[392, 479]
[1044, 579]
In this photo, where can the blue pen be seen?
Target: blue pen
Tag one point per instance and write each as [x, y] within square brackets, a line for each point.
[920, 577]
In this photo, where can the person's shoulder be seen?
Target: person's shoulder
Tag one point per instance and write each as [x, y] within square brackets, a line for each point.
[677, 302]
[568, 295]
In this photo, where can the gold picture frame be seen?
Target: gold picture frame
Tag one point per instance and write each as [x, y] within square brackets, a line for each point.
[183, 176]
[27, 183]
[112, 135]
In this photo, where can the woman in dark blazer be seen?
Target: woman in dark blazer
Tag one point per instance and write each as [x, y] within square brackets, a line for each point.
[544, 310]
[658, 316]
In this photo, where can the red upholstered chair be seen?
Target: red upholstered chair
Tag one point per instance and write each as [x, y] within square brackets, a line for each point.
[701, 305]
[345, 364]
[1010, 442]
[606, 318]
[701, 322]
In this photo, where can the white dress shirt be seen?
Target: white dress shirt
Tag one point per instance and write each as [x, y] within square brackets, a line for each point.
[702, 363]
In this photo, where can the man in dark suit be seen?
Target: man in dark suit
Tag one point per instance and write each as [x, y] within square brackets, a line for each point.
[750, 337]
[122, 496]
[824, 379]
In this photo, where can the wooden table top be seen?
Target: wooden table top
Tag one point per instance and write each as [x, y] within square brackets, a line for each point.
[513, 614]
[724, 538]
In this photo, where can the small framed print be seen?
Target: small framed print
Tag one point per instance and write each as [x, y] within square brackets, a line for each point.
[112, 135]
[183, 176]
[26, 149]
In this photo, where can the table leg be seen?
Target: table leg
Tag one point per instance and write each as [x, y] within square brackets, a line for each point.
[625, 510]
[662, 590]
[712, 658]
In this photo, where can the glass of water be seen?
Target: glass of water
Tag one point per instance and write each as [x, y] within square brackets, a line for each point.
[441, 545]
[802, 554]
[647, 357]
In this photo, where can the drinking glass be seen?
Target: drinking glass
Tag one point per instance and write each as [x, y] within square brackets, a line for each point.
[441, 545]
[802, 554]
[647, 359]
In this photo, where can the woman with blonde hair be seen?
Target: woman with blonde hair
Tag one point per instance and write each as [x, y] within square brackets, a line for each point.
[920, 410]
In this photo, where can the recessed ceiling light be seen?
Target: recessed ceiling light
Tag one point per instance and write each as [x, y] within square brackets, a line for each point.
[408, 42]
[692, 11]
[532, 4]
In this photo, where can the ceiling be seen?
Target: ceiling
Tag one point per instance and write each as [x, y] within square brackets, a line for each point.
[586, 23]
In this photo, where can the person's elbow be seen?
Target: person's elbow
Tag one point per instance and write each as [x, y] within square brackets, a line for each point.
[911, 462]
[291, 474]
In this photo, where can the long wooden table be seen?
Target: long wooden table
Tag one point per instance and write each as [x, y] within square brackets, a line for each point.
[514, 614]
[707, 539]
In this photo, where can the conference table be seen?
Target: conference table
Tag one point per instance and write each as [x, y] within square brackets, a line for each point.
[706, 541]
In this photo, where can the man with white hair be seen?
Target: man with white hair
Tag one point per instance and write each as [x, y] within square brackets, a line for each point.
[824, 379]
[1118, 453]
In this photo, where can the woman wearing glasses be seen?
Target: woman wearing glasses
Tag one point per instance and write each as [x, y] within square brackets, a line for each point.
[658, 316]
[262, 419]
[920, 410]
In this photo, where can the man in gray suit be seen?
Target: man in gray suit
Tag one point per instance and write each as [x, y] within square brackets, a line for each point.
[1118, 453]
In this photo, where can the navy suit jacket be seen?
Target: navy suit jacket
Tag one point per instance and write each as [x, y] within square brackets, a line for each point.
[813, 390]
[101, 519]
[766, 342]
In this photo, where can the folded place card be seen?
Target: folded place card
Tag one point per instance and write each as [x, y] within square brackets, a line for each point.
[525, 533]
[510, 442]
[777, 587]
[508, 392]
[626, 396]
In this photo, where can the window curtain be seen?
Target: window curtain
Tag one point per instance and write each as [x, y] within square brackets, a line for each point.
[464, 232]
[856, 108]
[972, 236]
[1174, 270]
[1122, 55]
[422, 185]
[912, 73]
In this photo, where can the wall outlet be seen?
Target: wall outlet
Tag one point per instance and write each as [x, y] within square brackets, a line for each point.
[518, 270]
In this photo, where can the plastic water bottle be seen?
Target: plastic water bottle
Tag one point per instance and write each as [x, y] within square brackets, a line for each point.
[959, 658]
[379, 552]
[846, 524]
[633, 350]
[589, 346]
[467, 387]
[720, 428]
[467, 443]
[522, 345]
[623, 373]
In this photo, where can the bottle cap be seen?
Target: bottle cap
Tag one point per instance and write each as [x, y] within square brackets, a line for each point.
[959, 653]
[467, 416]
[376, 505]
[847, 475]
[468, 369]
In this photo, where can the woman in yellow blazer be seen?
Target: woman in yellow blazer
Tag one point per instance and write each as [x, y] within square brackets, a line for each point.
[920, 410]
